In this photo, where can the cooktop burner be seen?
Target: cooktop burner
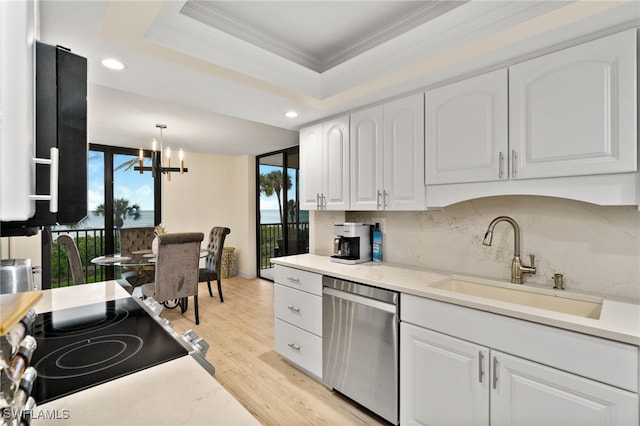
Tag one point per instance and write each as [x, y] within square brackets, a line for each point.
[88, 345]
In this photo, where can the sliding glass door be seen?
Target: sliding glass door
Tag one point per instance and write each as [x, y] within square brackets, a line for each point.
[283, 229]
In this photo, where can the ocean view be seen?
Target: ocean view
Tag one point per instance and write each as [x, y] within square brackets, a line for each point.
[95, 221]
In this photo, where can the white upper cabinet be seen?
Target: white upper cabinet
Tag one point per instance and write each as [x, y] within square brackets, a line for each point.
[573, 112]
[324, 160]
[367, 158]
[18, 31]
[310, 167]
[387, 156]
[335, 168]
[572, 129]
[466, 130]
[404, 153]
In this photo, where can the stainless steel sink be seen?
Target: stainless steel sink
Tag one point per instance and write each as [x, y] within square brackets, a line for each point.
[587, 307]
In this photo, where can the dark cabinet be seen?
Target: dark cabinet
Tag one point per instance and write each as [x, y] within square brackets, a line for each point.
[61, 121]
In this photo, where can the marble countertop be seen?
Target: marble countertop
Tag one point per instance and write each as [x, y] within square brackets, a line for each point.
[618, 320]
[178, 392]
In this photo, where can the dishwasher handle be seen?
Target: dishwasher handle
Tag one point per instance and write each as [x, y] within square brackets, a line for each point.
[351, 297]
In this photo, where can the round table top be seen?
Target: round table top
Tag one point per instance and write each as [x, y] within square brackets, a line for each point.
[137, 258]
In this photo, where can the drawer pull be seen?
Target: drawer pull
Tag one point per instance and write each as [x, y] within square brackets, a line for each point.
[293, 308]
[294, 346]
[294, 280]
[480, 366]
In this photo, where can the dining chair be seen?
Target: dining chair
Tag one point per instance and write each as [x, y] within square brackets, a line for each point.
[176, 270]
[135, 239]
[213, 264]
[132, 240]
[73, 254]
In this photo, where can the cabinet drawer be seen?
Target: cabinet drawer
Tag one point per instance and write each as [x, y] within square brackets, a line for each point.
[299, 308]
[299, 279]
[299, 347]
[596, 358]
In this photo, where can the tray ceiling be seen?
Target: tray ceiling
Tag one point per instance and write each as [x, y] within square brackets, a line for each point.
[221, 74]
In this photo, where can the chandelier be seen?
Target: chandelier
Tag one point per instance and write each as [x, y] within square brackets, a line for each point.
[157, 165]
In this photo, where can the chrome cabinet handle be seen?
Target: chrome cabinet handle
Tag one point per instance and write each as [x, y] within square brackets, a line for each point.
[324, 202]
[514, 159]
[294, 346]
[500, 165]
[495, 372]
[318, 206]
[294, 280]
[293, 308]
[385, 198]
[480, 366]
[54, 168]
[378, 199]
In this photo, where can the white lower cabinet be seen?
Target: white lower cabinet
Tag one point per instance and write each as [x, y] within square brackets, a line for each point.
[527, 393]
[443, 380]
[447, 380]
[298, 317]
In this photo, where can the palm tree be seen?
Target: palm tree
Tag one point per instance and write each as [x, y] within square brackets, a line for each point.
[273, 183]
[121, 209]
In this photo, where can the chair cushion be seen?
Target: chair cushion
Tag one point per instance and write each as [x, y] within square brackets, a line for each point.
[205, 274]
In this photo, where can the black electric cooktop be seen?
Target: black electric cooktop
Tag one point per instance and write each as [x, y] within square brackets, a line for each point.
[88, 345]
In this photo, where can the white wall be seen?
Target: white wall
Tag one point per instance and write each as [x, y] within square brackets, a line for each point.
[217, 191]
[597, 248]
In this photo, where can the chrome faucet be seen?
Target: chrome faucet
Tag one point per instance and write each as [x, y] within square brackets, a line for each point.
[517, 268]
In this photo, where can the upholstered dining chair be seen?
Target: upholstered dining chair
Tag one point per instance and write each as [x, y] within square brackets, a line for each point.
[132, 240]
[73, 255]
[212, 269]
[135, 239]
[176, 276]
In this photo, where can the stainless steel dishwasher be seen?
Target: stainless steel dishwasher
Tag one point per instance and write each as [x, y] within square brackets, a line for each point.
[360, 344]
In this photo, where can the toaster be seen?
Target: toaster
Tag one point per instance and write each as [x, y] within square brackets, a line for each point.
[16, 275]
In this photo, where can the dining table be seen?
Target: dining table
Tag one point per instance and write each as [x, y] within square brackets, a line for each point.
[142, 262]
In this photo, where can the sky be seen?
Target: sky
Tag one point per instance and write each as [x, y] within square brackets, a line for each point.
[131, 185]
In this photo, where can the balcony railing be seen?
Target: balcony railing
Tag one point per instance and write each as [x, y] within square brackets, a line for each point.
[91, 244]
[272, 241]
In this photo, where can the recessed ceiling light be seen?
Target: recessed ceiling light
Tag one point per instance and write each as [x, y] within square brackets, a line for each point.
[113, 64]
[291, 114]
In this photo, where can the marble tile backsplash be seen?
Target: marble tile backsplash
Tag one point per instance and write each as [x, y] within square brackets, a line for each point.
[597, 248]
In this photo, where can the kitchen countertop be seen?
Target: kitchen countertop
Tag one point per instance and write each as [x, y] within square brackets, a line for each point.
[618, 321]
[178, 392]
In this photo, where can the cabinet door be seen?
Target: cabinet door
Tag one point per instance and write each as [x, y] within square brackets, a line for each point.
[404, 154]
[366, 159]
[335, 160]
[527, 393]
[466, 130]
[310, 166]
[443, 380]
[573, 112]
[17, 46]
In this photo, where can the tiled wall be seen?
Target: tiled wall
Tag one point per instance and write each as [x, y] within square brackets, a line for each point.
[597, 248]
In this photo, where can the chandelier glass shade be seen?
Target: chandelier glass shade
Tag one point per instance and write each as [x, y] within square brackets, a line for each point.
[160, 165]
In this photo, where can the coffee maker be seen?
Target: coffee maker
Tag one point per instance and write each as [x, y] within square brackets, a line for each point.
[352, 243]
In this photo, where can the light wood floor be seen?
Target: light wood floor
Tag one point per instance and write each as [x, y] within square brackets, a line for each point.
[241, 334]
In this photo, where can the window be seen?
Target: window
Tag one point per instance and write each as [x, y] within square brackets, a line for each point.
[118, 197]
